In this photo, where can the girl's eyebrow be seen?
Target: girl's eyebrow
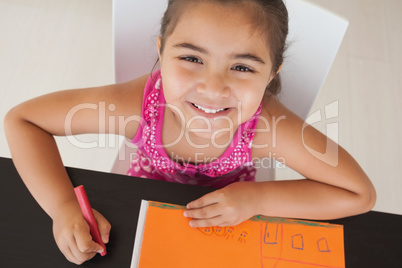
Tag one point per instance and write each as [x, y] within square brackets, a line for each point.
[247, 56]
[192, 47]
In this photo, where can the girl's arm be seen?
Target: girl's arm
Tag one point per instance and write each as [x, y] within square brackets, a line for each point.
[30, 127]
[335, 187]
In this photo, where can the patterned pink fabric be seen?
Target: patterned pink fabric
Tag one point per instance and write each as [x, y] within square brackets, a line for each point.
[151, 160]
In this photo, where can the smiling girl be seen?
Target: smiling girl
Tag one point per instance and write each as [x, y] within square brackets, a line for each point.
[216, 87]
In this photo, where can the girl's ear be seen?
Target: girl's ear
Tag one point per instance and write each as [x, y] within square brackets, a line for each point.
[158, 45]
[277, 72]
[279, 69]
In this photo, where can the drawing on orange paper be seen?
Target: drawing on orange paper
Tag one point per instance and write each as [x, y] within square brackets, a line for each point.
[297, 241]
[206, 230]
[229, 232]
[169, 241]
[243, 235]
[322, 245]
[219, 231]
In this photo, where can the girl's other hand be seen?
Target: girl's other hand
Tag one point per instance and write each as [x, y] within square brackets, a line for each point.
[72, 235]
[228, 206]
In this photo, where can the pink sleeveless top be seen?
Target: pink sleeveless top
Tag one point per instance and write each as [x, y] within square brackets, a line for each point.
[151, 160]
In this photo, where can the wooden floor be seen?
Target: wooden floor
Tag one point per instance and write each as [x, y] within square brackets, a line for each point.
[50, 45]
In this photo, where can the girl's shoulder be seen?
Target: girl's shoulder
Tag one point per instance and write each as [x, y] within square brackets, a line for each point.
[130, 94]
[277, 125]
[273, 113]
[128, 100]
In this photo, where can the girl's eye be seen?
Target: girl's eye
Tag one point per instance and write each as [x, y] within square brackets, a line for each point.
[191, 59]
[242, 68]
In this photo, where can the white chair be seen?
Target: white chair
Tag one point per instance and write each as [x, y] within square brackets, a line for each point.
[314, 36]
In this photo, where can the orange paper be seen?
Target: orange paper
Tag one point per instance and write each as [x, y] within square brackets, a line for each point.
[169, 241]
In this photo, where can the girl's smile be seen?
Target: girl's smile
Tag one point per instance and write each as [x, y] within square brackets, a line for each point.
[210, 112]
[219, 71]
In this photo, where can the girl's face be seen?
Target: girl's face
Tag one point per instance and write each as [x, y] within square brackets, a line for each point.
[215, 68]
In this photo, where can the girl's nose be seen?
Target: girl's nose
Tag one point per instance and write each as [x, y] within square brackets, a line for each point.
[215, 86]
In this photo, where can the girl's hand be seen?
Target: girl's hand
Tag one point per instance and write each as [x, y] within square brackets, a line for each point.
[228, 206]
[72, 235]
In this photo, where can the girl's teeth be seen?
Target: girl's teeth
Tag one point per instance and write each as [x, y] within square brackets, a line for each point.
[208, 111]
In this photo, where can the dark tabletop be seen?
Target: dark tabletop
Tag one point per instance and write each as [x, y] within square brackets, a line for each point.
[373, 239]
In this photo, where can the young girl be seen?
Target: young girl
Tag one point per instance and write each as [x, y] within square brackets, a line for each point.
[206, 116]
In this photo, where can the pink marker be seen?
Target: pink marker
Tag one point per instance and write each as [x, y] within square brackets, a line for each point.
[89, 216]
